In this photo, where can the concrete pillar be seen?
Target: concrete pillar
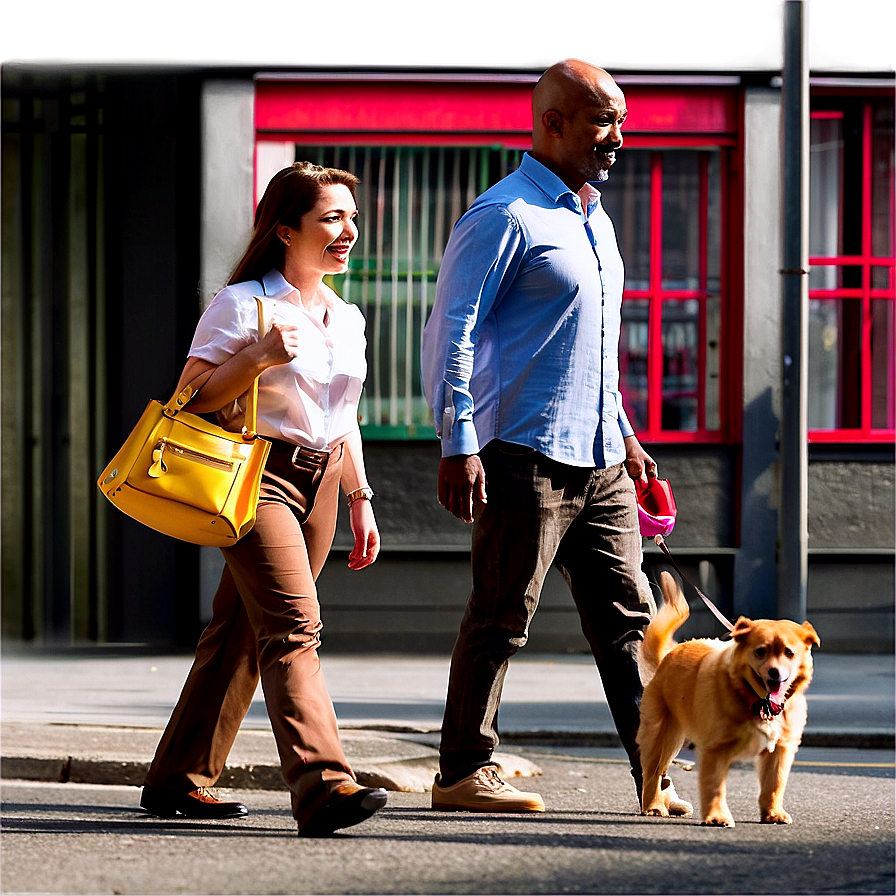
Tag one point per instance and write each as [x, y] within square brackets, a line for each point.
[755, 577]
[228, 153]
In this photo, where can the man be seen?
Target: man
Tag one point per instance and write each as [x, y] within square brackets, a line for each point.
[520, 366]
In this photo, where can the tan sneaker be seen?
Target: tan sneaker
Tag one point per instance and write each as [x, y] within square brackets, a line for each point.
[484, 791]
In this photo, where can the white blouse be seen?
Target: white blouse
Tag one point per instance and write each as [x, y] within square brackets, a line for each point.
[312, 400]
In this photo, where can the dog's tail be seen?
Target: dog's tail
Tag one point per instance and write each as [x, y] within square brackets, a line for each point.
[658, 640]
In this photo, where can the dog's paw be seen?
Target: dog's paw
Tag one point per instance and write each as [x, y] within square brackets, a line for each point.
[775, 817]
[718, 821]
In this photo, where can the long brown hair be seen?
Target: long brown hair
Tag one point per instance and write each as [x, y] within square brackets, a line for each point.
[291, 193]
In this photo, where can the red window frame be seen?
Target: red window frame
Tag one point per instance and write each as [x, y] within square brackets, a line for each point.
[471, 111]
[657, 295]
[453, 111]
[865, 262]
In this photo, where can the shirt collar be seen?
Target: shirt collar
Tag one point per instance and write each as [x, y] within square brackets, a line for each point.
[274, 282]
[544, 179]
[590, 196]
[552, 186]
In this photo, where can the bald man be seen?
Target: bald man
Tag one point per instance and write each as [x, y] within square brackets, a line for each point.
[520, 367]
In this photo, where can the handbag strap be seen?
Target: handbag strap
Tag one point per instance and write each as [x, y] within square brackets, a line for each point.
[180, 399]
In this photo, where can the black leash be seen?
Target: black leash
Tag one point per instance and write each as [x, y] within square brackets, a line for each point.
[660, 543]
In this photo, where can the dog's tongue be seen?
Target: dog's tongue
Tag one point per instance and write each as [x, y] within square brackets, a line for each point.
[776, 689]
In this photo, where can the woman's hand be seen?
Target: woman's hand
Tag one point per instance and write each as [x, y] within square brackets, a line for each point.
[232, 378]
[367, 536]
[279, 345]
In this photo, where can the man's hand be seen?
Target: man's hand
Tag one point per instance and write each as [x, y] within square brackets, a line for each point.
[461, 483]
[638, 462]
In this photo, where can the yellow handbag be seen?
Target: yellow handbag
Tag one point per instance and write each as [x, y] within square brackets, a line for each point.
[188, 478]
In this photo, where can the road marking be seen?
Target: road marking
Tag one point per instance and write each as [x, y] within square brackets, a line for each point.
[688, 765]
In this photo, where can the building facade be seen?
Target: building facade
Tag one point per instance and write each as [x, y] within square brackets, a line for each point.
[128, 196]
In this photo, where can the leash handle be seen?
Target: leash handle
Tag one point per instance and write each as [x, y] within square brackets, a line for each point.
[659, 541]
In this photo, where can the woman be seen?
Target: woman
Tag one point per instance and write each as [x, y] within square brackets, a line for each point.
[265, 615]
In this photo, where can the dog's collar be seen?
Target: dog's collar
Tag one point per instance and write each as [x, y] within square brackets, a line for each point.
[764, 707]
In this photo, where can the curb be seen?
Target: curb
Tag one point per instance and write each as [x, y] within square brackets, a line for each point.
[410, 776]
[413, 775]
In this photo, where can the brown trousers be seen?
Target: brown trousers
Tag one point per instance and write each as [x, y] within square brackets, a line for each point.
[583, 521]
[265, 623]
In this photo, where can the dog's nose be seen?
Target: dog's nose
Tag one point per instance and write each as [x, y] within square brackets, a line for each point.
[774, 673]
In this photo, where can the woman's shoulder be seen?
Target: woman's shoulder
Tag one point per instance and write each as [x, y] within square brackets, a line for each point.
[245, 289]
[233, 310]
[237, 299]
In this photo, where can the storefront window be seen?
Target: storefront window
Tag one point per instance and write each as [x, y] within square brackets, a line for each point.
[666, 206]
[851, 289]
[425, 151]
[409, 199]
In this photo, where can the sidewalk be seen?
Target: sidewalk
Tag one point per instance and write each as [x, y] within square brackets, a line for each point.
[96, 717]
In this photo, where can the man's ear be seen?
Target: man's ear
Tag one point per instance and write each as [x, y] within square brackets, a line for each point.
[553, 122]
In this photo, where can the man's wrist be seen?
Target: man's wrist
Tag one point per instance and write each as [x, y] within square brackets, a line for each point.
[463, 440]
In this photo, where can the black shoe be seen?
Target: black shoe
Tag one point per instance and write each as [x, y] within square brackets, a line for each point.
[197, 803]
[348, 804]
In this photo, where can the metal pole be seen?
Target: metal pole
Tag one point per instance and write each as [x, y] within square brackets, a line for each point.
[793, 535]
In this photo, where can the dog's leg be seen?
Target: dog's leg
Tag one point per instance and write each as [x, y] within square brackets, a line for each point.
[652, 771]
[713, 765]
[660, 739]
[774, 770]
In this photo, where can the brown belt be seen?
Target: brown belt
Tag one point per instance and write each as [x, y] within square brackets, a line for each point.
[299, 454]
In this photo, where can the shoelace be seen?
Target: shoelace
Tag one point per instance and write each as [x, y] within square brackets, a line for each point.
[489, 777]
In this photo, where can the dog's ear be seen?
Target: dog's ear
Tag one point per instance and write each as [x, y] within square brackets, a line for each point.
[742, 628]
[810, 636]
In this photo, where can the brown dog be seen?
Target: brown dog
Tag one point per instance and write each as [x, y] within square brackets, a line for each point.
[743, 697]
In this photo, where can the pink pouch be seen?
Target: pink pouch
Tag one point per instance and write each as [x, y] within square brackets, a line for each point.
[656, 507]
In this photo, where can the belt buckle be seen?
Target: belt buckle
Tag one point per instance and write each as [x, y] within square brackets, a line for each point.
[308, 454]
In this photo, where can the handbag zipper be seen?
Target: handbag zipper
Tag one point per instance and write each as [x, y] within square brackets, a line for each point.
[158, 467]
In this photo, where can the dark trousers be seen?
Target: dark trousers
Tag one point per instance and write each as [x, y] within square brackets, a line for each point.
[540, 512]
[265, 623]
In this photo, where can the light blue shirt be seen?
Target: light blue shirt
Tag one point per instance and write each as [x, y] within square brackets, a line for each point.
[523, 340]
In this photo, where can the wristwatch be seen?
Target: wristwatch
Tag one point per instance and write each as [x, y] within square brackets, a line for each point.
[359, 494]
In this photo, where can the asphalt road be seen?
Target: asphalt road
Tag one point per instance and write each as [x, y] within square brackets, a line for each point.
[78, 838]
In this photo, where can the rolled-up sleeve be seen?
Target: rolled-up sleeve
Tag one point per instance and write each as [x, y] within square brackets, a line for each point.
[480, 260]
[222, 330]
[624, 425]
